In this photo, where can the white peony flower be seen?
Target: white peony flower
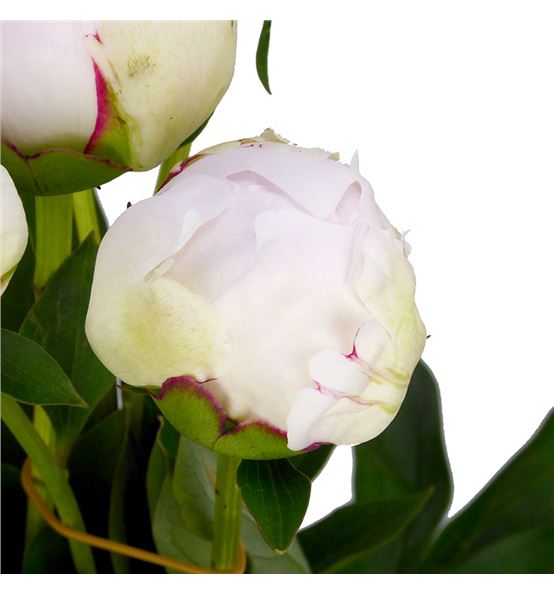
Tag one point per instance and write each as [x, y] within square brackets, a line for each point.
[128, 92]
[13, 229]
[268, 273]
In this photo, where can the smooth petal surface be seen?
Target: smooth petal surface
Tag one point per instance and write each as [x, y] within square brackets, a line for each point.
[143, 326]
[167, 78]
[48, 85]
[304, 287]
[311, 177]
[289, 306]
[13, 229]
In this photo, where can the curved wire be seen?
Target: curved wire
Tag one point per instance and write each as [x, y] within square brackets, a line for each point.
[115, 546]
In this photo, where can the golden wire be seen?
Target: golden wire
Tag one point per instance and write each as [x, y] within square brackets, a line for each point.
[115, 546]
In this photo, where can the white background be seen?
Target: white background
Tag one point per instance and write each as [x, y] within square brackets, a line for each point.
[451, 107]
[452, 112]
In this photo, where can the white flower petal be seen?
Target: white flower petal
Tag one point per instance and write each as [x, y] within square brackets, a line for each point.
[168, 77]
[350, 422]
[13, 229]
[211, 262]
[149, 332]
[310, 177]
[290, 305]
[307, 407]
[48, 85]
[370, 341]
[142, 325]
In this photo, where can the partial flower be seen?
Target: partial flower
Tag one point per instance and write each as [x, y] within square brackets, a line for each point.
[13, 229]
[105, 97]
[267, 273]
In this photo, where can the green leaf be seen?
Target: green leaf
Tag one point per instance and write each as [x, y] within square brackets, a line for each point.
[19, 296]
[408, 458]
[277, 495]
[353, 531]
[118, 493]
[312, 463]
[181, 524]
[262, 55]
[31, 376]
[526, 552]
[512, 513]
[57, 323]
[47, 553]
[171, 535]
[193, 488]
[94, 461]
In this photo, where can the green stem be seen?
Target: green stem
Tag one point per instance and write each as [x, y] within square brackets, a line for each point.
[180, 154]
[228, 514]
[88, 215]
[43, 427]
[54, 235]
[52, 475]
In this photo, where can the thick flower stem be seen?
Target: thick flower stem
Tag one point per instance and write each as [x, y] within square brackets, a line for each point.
[89, 216]
[53, 477]
[228, 514]
[44, 429]
[54, 236]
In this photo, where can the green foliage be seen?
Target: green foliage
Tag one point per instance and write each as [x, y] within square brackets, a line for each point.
[355, 530]
[57, 323]
[407, 459]
[180, 480]
[47, 553]
[509, 525]
[31, 376]
[277, 495]
[262, 54]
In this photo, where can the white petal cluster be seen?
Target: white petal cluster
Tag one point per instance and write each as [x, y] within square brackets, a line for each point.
[71, 84]
[268, 272]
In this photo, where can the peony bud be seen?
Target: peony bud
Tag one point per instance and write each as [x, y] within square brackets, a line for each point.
[84, 102]
[13, 229]
[269, 274]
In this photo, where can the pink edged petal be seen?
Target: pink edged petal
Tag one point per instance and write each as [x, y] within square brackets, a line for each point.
[307, 407]
[336, 372]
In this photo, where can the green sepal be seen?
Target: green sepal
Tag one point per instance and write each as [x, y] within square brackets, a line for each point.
[58, 171]
[196, 414]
